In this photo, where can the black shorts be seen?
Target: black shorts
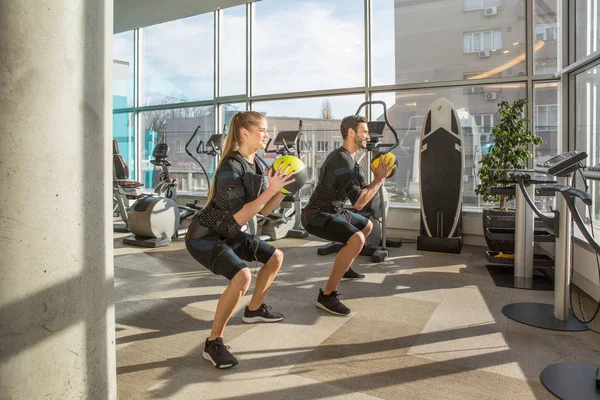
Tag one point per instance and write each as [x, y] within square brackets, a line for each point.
[224, 256]
[335, 227]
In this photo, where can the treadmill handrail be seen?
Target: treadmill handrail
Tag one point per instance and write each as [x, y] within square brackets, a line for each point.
[568, 194]
[551, 222]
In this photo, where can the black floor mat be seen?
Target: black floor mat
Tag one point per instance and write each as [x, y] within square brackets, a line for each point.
[503, 276]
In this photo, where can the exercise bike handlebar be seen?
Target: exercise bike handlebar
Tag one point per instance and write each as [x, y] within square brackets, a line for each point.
[391, 146]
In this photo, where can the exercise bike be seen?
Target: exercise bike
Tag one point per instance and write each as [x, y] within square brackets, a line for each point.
[377, 242]
[155, 219]
[132, 190]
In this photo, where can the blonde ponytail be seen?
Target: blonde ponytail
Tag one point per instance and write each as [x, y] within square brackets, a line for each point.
[246, 120]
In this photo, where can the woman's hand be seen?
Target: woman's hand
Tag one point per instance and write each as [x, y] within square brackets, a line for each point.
[277, 179]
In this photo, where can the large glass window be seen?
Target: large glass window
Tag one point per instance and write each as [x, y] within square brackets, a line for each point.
[461, 40]
[587, 36]
[321, 119]
[308, 45]
[177, 61]
[546, 31]
[587, 119]
[227, 112]
[175, 127]
[124, 134]
[233, 51]
[123, 67]
[406, 110]
[546, 117]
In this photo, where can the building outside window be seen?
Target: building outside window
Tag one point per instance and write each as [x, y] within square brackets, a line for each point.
[546, 117]
[306, 145]
[322, 146]
[475, 42]
[474, 5]
[485, 122]
[546, 32]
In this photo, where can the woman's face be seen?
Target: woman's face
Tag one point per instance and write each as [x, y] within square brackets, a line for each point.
[258, 136]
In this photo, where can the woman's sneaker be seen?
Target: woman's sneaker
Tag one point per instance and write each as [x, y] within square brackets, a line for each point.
[352, 274]
[218, 354]
[331, 303]
[262, 314]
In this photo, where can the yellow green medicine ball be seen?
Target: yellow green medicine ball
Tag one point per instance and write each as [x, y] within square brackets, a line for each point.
[389, 159]
[295, 164]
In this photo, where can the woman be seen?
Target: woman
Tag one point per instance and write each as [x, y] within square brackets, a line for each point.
[215, 238]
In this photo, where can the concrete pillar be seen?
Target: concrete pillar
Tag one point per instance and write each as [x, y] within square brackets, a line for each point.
[57, 322]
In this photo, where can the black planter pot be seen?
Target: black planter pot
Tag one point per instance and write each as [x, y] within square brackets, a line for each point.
[499, 222]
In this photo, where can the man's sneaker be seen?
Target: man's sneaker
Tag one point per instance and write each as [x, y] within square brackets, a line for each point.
[332, 303]
[218, 354]
[352, 274]
[262, 314]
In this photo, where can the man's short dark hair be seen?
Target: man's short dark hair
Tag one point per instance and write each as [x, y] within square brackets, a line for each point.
[351, 121]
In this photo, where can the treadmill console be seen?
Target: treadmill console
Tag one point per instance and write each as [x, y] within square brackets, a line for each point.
[560, 165]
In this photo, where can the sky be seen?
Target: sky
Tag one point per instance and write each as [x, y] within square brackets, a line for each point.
[313, 45]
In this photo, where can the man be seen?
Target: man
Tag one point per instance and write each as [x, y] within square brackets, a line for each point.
[324, 216]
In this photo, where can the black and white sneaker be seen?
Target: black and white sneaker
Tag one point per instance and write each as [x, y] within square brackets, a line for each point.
[331, 303]
[218, 354]
[352, 274]
[262, 314]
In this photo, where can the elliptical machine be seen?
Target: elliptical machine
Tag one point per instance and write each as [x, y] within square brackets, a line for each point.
[155, 220]
[377, 242]
[215, 143]
[285, 221]
[214, 148]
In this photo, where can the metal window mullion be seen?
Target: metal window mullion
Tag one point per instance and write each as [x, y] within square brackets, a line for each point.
[217, 68]
[566, 50]
[138, 41]
[583, 64]
[367, 38]
[136, 63]
[249, 29]
[169, 106]
[530, 68]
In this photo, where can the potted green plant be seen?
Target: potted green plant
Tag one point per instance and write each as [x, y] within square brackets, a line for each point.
[510, 148]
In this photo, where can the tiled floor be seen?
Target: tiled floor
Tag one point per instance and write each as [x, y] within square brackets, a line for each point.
[424, 326]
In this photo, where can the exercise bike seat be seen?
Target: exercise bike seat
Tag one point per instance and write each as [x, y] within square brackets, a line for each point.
[130, 184]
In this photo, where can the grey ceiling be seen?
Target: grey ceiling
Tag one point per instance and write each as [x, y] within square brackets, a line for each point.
[130, 14]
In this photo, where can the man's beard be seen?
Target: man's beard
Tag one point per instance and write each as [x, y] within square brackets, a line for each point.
[360, 144]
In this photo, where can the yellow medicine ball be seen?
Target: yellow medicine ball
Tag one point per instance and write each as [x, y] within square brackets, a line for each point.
[389, 159]
[295, 164]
